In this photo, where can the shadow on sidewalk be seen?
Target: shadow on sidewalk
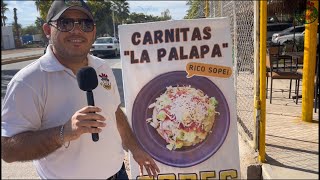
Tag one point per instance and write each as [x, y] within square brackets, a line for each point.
[274, 162]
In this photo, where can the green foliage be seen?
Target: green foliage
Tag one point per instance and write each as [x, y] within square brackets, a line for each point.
[142, 18]
[16, 28]
[136, 18]
[4, 9]
[300, 44]
[121, 10]
[166, 14]
[103, 17]
[39, 22]
[31, 30]
[43, 7]
[193, 11]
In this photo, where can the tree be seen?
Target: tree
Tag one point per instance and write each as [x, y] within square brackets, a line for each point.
[43, 7]
[4, 9]
[16, 28]
[142, 18]
[136, 18]
[166, 15]
[193, 11]
[31, 30]
[102, 13]
[121, 8]
[39, 22]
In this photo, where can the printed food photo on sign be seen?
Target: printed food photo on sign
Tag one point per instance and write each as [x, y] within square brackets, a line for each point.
[183, 116]
[180, 121]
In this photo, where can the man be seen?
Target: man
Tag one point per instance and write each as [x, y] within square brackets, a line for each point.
[45, 116]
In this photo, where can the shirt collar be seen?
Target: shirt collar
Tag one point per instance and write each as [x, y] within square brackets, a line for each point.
[49, 62]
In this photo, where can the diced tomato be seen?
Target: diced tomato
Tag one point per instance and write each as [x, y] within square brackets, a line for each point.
[179, 93]
[196, 99]
[168, 132]
[199, 129]
[189, 128]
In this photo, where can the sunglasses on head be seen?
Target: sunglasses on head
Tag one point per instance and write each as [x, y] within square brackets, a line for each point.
[67, 25]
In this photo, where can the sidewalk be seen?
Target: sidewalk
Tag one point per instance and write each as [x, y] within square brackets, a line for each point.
[291, 144]
[18, 55]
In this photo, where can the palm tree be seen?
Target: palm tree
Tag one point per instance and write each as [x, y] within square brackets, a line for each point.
[4, 8]
[16, 29]
[43, 7]
[121, 10]
[102, 14]
[166, 14]
[193, 11]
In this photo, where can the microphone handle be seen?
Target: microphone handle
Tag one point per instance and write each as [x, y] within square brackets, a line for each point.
[95, 136]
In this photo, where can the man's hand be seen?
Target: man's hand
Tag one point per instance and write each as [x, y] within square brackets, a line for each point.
[144, 160]
[130, 142]
[84, 121]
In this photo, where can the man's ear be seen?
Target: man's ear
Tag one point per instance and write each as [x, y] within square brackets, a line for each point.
[47, 30]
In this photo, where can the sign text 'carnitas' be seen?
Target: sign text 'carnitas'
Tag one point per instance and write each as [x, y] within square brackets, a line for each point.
[174, 53]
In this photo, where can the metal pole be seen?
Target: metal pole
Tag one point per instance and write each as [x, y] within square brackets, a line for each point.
[256, 76]
[263, 51]
[309, 63]
[207, 8]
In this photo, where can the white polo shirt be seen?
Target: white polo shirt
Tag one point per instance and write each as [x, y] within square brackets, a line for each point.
[46, 94]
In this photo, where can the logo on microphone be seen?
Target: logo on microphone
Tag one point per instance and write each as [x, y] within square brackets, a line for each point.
[105, 81]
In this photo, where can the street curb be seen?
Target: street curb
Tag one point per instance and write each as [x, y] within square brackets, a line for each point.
[19, 59]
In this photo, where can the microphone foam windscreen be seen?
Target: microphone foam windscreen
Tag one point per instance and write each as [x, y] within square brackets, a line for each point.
[87, 78]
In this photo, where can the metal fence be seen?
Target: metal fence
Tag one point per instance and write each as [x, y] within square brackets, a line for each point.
[241, 15]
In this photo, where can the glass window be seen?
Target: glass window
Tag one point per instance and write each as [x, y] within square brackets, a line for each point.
[103, 40]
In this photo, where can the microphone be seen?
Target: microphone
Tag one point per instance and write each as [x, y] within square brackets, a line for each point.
[87, 81]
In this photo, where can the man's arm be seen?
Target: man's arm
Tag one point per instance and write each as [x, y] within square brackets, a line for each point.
[38, 144]
[130, 142]
[28, 146]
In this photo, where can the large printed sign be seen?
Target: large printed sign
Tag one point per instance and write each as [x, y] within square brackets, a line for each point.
[179, 97]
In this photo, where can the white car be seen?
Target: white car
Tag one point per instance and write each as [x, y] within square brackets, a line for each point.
[289, 38]
[105, 46]
[288, 31]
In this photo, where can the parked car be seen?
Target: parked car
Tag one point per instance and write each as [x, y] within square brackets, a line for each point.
[276, 27]
[105, 46]
[288, 31]
[299, 37]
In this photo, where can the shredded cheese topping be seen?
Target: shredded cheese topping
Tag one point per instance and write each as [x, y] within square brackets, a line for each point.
[183, 116]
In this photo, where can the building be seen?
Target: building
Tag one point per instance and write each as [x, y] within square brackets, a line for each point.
[7, 39]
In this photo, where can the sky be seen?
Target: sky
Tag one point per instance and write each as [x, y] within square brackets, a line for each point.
[27, 12]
